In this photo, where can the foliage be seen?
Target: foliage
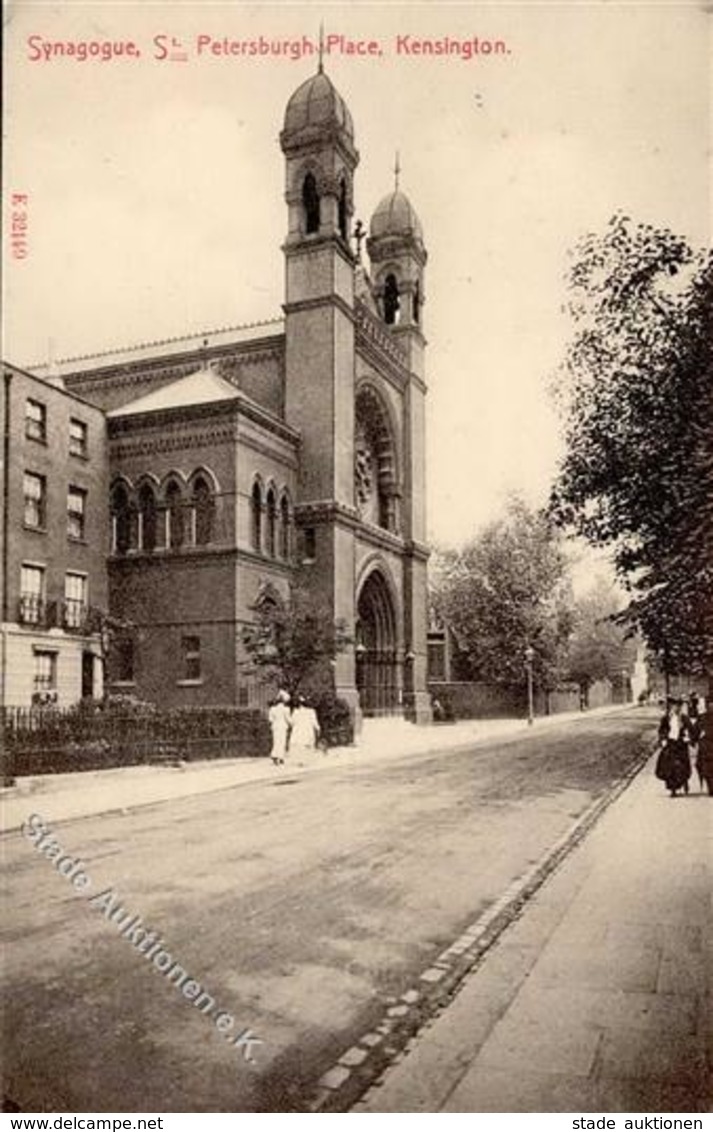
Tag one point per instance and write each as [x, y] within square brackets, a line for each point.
[637, 399]
[335, 720]
[597, 648]
[504, 591]
[292, 642]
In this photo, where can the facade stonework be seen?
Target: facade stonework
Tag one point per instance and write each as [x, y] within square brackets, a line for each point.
[238, 461]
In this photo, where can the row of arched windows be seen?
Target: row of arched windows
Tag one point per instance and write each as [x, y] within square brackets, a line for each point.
[270, 522]
[164, 516]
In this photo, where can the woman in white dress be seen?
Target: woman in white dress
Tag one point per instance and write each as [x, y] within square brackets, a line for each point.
[279, 719]
[304, 731]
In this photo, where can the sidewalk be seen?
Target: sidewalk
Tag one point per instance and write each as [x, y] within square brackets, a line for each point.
[599, 998]
[61, 797]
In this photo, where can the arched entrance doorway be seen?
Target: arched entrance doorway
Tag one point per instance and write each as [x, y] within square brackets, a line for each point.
[377, 674]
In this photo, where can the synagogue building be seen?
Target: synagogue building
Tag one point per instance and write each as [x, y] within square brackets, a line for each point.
[233, 463]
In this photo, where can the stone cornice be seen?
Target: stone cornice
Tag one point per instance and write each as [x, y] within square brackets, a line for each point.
[418, 550]
[324, 511]
[195, 556]
[243, 554]
[381, 248]
[173, 366]
[377, 536]
[133, 423]
[332, 299]
[306, 245]
[329, 511]
[152, 442]
[143, 434]
[160, 558]
[315, 139]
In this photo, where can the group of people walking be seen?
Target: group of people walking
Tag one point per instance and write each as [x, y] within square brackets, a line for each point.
[686, 741]
[294, 726]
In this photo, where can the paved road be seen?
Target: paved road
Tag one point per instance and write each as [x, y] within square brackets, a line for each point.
[302, 906]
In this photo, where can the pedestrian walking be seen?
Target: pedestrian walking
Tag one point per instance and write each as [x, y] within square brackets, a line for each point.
[279, 719]
[673, 764]
[692, 726]
[704, 757]
[304, 731]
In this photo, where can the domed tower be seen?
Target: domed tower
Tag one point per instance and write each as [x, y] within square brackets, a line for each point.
[398, 258]
[318, 143]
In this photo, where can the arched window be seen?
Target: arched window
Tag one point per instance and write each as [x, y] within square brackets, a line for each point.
[391, 300]
[203, 510]
[417, 304]
[376, 488]
[271, 523]
[147, 518]
[120, 520]
[256, 517]
[175, 525]
[284, 527]
[310, 203]
[343, 231]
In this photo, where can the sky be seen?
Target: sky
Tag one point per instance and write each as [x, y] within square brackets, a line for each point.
[155, 187]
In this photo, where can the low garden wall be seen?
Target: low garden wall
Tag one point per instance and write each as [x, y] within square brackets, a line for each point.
[465, 700]
[56, 741]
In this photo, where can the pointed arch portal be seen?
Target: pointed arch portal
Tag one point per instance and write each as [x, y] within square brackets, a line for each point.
[377, 674]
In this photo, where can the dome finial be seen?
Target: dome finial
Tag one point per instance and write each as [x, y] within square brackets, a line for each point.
[397, 171]
[321, 47]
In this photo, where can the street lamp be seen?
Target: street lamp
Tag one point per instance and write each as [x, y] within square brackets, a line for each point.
[529, 657]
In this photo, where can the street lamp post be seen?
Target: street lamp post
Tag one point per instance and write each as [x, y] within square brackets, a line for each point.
[529, 657]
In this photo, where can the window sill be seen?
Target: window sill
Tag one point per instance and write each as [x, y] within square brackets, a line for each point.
[76, 539]
[80, 456]
[36, 439]
[35, 530]
[121, 683]
[188, 683]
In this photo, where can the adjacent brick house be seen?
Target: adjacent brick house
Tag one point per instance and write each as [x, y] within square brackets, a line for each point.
[54, 483]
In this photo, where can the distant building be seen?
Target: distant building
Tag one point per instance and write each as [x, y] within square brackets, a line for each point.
[54, 542]
[294, 446]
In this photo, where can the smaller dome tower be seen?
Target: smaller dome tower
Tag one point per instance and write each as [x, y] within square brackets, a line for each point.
[398, 257]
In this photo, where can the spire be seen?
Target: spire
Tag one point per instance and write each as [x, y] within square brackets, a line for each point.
[397, 171]
[321, 47]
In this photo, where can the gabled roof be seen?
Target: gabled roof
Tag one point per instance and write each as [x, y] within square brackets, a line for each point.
[199, 388]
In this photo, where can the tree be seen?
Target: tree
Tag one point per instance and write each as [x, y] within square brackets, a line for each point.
[505, 590]
[597, 649]
[292, 642]
[636, 391]
[111, 631]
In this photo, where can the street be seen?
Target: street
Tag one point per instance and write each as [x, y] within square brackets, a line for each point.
[303, 906]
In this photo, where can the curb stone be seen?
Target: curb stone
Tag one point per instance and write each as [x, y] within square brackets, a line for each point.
[349, 1079]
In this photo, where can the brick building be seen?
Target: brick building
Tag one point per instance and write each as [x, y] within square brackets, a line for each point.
[53, 548]
[239, 456]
